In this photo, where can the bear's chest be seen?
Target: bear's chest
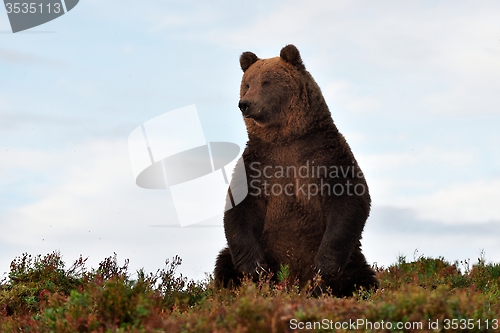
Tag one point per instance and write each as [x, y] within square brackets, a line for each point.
[290, 186]
[287, 175]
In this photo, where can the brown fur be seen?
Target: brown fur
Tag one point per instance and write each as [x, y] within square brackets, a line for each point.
[289, 126]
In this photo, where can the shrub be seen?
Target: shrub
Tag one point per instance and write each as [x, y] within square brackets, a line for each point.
[41, 295]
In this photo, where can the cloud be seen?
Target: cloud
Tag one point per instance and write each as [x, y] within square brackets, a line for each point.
[199, 15]
[387, 163]
[343, 93]
[83, 200]
[391, 219]
[403, 232]
[23, 58]
[441, 59]
[4, 104]
[473, 202]
[465, 97]
[448, 202]
[90, 182]
[5, 24]
[22, 120]
[16, 163]
[431, 182]
[175, 19]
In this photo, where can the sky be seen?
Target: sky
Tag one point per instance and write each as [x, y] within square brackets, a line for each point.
[413, 86]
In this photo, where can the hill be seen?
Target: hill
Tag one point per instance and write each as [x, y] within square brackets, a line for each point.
[427, 295]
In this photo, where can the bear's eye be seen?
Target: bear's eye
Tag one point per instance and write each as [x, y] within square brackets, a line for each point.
[265, 83]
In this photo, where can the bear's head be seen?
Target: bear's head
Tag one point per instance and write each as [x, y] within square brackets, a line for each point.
[278, 95]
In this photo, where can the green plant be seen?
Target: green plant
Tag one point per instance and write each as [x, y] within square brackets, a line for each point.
[41, 295]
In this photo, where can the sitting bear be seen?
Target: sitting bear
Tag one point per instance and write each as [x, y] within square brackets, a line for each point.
[307, 200]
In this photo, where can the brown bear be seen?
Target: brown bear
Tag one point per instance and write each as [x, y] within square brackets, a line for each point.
[307, 200]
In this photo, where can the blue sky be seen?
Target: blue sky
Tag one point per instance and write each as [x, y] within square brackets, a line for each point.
[412, 85]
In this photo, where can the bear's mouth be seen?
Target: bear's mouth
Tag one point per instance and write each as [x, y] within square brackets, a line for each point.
[254, 121]
[258, 119]
[254, 116]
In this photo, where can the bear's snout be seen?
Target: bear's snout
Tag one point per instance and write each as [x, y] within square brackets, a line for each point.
[244, 106]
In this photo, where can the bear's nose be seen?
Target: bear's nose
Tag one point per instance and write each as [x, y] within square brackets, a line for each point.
[244, 105]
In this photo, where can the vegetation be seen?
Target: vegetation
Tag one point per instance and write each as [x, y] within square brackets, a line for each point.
[427, 295]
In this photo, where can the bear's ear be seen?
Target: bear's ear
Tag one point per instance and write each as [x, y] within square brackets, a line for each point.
[247, 59]
[292, 56]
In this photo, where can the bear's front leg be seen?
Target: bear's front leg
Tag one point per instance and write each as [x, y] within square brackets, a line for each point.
[344, 225]
[251, 263]
[243, 227]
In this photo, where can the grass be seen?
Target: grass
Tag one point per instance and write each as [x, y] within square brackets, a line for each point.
[427, 295]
